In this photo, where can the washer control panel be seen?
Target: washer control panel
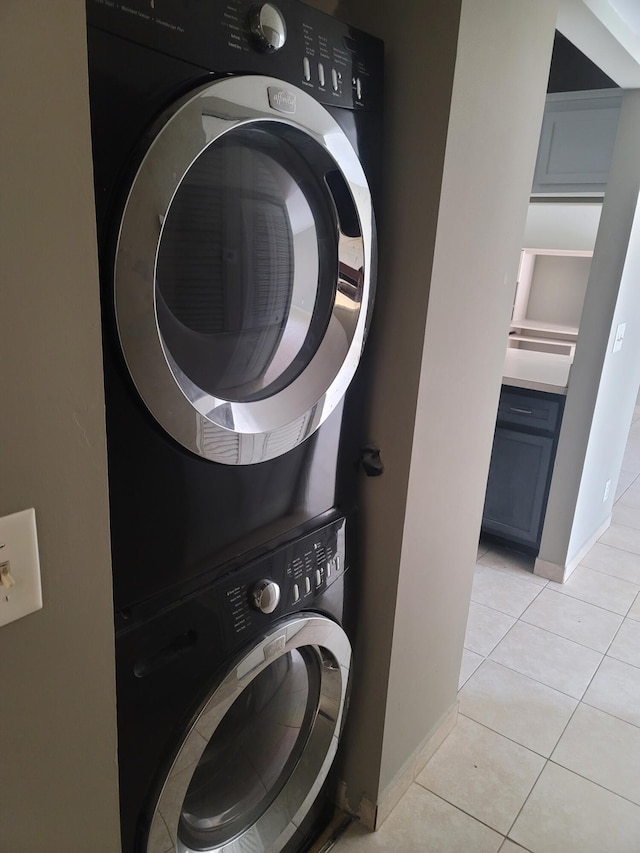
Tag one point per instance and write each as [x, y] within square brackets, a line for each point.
[284, 581]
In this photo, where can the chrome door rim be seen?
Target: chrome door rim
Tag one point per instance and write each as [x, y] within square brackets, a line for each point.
[289, 808]
[218, 429]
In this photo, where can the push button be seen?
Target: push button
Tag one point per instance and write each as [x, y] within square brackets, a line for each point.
[307, 585]
[321, 73]
[306, 69]
[296, 593]
[336, 79]
[318, 578]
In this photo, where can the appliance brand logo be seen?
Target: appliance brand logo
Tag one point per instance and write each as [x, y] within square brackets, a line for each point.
[281, 99]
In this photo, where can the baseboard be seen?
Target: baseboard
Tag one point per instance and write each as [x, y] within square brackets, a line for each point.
[560, 574]
[373, 816]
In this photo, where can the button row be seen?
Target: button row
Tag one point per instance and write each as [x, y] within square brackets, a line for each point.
[336, 77]
[332, 565]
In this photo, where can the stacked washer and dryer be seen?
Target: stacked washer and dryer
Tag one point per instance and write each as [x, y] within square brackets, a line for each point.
[236, 155]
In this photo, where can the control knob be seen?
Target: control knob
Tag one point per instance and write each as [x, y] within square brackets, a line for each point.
[265, 596]
[267, 27]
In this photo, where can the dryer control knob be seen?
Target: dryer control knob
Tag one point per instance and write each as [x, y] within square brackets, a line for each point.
[267, 27]
[265, 596]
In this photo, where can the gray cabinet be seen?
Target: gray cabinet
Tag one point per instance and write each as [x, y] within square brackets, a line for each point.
[521, 465]
[576, 142]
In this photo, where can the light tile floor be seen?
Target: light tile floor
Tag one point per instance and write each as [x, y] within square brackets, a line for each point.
[546, 753]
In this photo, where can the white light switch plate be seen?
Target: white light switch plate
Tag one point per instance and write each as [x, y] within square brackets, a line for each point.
[617, 343]
[20, 589]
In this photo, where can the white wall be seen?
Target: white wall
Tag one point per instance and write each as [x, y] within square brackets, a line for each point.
[558, 288]
[562, 225]
[58, 779]
[602, 385]
[446, 275]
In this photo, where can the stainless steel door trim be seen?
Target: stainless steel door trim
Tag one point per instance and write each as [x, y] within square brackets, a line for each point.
[278, 823]
[183, 409]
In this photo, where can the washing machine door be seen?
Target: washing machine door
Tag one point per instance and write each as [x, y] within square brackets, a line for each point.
[252, 763]
[244, 269]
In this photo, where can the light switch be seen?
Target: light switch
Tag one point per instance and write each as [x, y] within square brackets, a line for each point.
[617, 344]
[20, 588]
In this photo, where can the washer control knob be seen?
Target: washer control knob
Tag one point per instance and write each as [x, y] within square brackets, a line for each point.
[267, 27]
[265, 596]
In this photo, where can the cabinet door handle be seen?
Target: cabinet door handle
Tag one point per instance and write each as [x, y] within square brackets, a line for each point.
[520, 411]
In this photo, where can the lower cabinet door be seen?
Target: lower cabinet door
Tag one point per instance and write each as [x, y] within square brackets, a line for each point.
[517, 485]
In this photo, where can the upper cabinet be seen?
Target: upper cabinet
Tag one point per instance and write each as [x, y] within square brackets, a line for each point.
[548, 302]
[576, 143]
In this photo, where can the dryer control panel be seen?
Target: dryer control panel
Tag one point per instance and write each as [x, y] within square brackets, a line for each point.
[340, 65]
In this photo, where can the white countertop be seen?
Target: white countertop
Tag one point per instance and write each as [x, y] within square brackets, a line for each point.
[541, 371]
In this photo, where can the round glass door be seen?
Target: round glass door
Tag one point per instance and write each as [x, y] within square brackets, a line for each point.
[252, 753]
[245, 274]
[243, 271]
[259, 751]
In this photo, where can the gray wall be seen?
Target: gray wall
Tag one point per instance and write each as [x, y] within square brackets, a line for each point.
[451, 234]
[414, 145]
[57, 739]
[602, 385]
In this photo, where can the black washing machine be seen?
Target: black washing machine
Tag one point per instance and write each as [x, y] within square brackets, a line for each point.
[235, 160]
[230, 706]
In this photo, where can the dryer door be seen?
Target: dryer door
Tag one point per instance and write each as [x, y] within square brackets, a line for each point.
[253, 762]
[244, 269]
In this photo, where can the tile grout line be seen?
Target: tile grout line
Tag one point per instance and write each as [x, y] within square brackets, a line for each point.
[504, 612]
[599, 606]
[617, 547]
[609, 714]
[569, 595]
[555, 634]
[516, 575]
[608, 574]
[526, 800]
[460, 809]
[597, 784]
[548, 760]
[506, 737]
[547, 631]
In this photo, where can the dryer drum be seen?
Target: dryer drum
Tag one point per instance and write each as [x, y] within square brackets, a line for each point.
[243, 271]
[258, 752]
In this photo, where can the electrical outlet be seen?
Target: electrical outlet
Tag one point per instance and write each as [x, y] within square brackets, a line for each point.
[607, 487]
[20, 589]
